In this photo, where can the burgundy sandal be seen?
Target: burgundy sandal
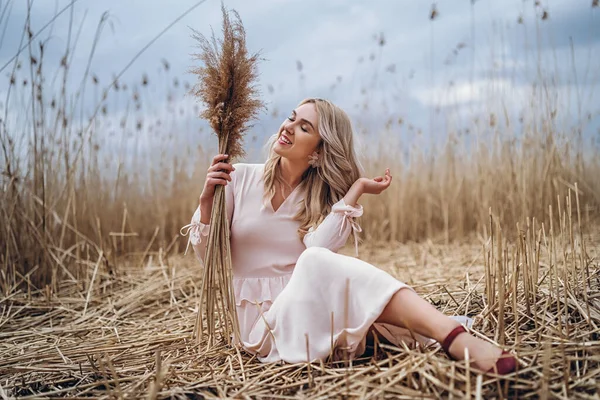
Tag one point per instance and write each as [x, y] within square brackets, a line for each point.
[506, 363]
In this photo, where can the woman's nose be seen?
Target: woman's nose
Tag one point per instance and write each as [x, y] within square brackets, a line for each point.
[289, 129]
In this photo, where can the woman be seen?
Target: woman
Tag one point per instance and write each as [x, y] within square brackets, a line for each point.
[288, 218]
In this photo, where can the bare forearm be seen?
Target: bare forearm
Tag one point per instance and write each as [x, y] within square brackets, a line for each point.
[205, 210]
[356, 190]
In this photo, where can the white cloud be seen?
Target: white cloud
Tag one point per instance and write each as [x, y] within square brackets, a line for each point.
[464, 93]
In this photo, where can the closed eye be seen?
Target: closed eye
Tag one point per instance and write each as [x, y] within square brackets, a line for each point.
[303, 127]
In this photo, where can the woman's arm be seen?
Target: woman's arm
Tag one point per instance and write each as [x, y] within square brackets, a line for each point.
[333, 232]
[199, 226]
[356, 190]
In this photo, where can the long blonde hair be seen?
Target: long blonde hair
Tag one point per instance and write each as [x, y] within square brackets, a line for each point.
[327, 184]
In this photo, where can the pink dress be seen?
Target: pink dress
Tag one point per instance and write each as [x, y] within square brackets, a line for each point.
[287, 289]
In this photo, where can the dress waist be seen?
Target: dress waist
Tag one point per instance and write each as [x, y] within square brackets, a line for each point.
[258, 289]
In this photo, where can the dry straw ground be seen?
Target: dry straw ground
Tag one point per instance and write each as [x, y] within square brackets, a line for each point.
[96, 300]
[127, 332]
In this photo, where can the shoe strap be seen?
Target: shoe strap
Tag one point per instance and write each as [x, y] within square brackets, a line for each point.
[450, 338]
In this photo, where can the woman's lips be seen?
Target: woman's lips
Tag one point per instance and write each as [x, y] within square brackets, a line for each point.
[284, 141]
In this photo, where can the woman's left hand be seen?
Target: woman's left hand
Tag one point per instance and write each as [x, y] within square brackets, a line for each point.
[376, 185]
[369, 186]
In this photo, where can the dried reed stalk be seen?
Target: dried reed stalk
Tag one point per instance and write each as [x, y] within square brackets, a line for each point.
[226, 88]
[49, 349]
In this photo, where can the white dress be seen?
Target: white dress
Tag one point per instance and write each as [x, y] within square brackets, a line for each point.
[288, 289]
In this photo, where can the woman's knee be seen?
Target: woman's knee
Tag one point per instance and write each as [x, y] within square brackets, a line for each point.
[311, 258]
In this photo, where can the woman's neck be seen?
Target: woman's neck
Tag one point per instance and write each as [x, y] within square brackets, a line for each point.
[290, 172]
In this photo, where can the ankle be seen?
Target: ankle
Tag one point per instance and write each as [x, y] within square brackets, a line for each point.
[451, 341]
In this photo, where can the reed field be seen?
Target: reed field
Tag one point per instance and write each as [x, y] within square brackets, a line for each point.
[498, 221]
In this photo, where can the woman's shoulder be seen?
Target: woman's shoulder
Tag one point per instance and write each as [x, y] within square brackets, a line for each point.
[248, 166]
[246, 170]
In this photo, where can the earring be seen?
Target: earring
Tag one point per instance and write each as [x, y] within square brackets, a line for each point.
[314, 160]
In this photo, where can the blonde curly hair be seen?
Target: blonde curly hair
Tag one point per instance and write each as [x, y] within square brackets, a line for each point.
[338, 169]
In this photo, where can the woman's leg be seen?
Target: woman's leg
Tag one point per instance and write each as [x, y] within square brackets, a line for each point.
[407, 310]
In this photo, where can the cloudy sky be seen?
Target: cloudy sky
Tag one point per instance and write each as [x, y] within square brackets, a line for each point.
[381, 60]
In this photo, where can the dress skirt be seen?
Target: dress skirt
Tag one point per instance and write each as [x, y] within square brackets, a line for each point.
[324, 309]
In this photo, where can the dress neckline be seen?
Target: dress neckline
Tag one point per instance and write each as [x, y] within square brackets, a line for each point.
[284, 200]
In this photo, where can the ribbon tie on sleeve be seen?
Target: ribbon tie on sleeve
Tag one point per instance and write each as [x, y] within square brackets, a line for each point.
[195, 228]
[349, 218]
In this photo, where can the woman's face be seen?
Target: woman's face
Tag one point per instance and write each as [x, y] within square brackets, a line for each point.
[299, 135]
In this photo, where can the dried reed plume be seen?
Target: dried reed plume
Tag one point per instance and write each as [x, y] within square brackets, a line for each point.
[226, 87]
[226, 84]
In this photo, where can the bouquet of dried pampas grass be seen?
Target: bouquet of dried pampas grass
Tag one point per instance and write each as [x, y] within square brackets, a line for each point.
[226, 87]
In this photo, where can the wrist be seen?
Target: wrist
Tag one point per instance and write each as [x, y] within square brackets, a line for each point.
[205, 201]
[205, 210]
[356, 190]
[359, 186]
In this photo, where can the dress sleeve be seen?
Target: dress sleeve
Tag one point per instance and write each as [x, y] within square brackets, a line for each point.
[333, 232]
[198, 232]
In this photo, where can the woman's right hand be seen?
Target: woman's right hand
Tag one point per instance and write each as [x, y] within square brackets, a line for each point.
[217, 174]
